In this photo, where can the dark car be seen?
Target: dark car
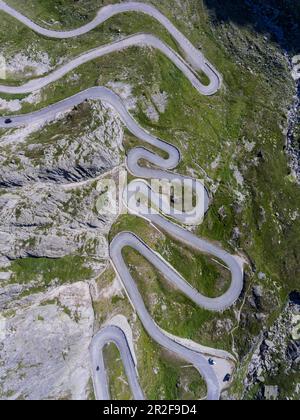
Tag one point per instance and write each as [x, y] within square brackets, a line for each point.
[97, 369]
[8, 121]
[211, 362]
[227, 378]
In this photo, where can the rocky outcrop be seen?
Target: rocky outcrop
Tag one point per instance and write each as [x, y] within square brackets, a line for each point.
[83, 144]
[60, 325]
[293, 135]
[277, 355]
[53, 221]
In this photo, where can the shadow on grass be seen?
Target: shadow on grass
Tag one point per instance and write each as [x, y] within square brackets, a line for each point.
[278, 18]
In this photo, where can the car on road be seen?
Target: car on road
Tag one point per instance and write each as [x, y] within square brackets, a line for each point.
[8, 121]
[227, 378]
[211, 362]
[97, 369]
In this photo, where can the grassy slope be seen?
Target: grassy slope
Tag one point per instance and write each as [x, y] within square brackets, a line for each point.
[68, 269]
[251, 107]
[118, 385]
[38, 274]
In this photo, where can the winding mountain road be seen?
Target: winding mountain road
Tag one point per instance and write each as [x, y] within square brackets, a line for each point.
[113, 334]
[192, 54]
[160, 171]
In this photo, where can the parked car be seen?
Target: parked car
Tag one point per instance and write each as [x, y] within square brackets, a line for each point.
[227, 378]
